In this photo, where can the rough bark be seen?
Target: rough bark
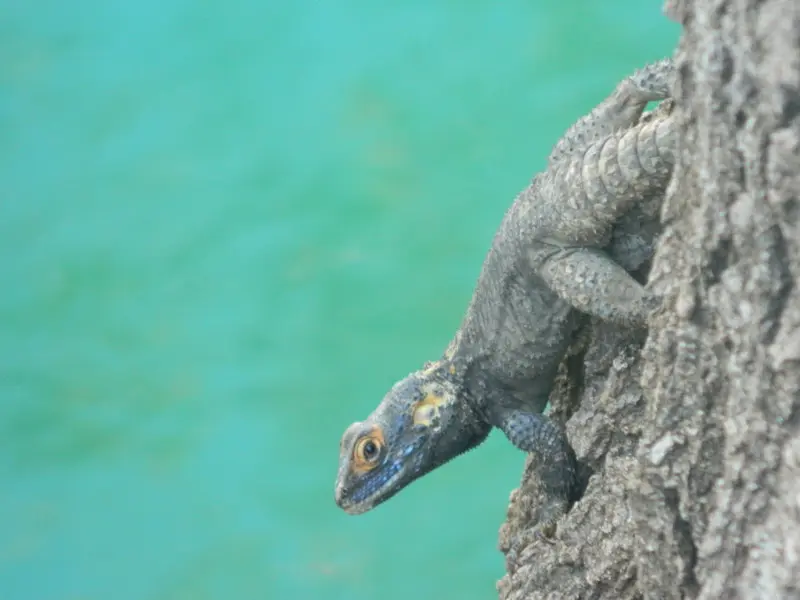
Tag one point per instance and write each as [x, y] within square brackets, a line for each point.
[693, 436]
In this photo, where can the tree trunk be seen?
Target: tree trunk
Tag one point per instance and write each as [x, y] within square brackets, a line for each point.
[694, 437]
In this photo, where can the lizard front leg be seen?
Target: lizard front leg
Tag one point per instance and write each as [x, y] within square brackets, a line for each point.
[554, 467]
[620, 110]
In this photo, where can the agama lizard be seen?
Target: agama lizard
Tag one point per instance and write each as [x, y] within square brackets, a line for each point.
[545, 267]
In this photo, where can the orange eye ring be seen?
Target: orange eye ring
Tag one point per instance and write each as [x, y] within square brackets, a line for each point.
[368, 450]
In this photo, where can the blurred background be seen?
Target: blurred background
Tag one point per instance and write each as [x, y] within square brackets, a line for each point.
[226, 228]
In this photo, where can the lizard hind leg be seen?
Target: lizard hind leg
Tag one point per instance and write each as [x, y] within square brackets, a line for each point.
[620, 110]
[588, 280]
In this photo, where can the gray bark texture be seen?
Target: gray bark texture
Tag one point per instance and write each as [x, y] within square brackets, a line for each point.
[691, 433]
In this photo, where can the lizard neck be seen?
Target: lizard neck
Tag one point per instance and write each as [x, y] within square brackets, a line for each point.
[509, 377]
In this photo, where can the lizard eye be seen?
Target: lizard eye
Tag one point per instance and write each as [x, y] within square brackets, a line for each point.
[368, 449]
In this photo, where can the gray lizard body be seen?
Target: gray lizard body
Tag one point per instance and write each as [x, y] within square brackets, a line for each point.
[545, 267]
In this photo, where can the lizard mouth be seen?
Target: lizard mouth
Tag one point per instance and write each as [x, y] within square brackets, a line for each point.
[356, 509]
[369, 496]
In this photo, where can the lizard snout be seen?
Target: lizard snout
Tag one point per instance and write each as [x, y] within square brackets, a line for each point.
[340, 495]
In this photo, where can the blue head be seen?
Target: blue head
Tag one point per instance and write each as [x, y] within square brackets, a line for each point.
[420, 424]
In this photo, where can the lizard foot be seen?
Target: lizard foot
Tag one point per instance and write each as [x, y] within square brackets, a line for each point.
[549, 504]
[652, 82]
[531, 521]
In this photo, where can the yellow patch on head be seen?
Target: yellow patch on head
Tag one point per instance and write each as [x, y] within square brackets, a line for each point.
[427, 409]
[367, 451]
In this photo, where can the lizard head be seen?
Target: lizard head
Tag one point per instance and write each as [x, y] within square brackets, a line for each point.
[420, 424]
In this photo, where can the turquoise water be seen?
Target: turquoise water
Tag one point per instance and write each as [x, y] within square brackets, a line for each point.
[225, 229]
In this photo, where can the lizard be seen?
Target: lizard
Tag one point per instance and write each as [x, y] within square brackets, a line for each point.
[546, 268]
